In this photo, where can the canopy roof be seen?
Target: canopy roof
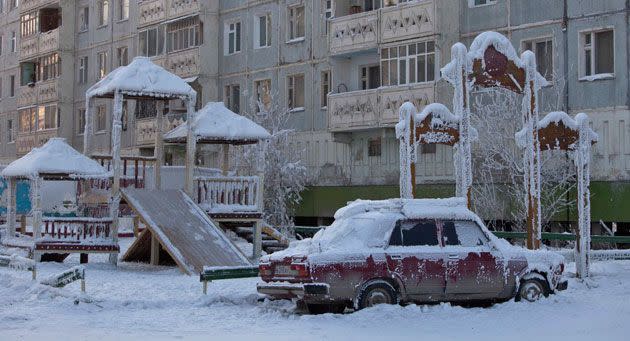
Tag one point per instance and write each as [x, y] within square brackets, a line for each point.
[55, 159]
[215, 123]
[142, 79]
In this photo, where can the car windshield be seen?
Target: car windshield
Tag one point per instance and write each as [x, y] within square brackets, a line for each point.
[366, 230]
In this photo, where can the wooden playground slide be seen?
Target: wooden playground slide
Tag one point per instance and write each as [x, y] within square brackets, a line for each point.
[183, 230]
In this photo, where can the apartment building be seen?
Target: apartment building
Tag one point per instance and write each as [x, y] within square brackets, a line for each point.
[342, 68]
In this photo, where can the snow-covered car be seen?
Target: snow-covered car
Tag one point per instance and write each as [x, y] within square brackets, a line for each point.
[398, 251]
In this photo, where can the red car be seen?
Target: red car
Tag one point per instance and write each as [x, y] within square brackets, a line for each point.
[399, 251]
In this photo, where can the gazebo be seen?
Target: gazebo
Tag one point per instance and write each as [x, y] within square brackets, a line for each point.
[57, 161]
[227, 199]
[140, 80]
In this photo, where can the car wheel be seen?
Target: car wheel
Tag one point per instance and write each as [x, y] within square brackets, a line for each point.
[377, 293]
[532, 290]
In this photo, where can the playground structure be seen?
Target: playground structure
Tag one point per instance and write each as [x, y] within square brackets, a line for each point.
[492, 62]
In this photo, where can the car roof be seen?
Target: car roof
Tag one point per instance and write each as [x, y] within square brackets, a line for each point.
[449, 208]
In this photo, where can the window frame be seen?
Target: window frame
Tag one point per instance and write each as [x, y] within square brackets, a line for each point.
[10, 131]
[13, 42]
[102, 13]
[291, 92]
[325, 87]
[394, 63]
[228, 99]
[593, 53]
[83, 69]
[119, 55]
[257, 32]
[398, 226]
[237, 32]
[122, 4]
[84, 19]
[101, 63]
[183, 34]
[97, 113]
[81, 122]
[536, 40]
[472, 4]
[293, 23]
[159, 39]
[257, 84]
[329, 13]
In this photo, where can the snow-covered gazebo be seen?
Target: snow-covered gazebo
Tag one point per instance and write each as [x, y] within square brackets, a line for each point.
[140, 80]
[225, 198]
[58, 161]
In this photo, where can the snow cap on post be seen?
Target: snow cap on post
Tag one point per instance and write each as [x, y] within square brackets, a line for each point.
[142, 78]
[55, 157]
[458, 60]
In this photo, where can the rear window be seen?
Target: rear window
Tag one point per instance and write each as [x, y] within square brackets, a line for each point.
[415, 233]
[463, 233]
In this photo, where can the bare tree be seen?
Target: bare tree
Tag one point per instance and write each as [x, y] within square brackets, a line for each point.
[285, 175]
[499, 186]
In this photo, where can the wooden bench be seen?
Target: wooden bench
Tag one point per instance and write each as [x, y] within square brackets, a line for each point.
[210, 274]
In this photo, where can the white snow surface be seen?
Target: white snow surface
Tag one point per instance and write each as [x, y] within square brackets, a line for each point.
[137, 301]
[215, 121]
[441, 116]
[142, 78]
[55, 157]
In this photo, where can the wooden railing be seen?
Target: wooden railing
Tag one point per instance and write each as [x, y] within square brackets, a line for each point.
[228, 194]
[134, 168]
[82, 229]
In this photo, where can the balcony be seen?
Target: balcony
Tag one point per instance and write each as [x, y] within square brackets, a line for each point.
[150, 12]
[27, 96]
[178, 8]
[46, 91]
[27, 5]
[146, 128]
[39, 44]
[366, 30]
[375, 108]
[24, 142]
[183, 63]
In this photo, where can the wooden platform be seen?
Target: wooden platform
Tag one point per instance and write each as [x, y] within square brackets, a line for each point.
[182, 229]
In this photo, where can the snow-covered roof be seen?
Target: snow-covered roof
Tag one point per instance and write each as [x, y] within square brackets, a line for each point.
[142, 78]
[215, 123]
[55, 157]
[555, 118]
[442, 117]
[449, 208]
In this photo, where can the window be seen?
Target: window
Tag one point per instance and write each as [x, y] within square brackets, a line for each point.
[183, 34]
[0, 83]
[296, 22]
[28, 73]
[101, 118]
[28, 119]
[329, 12]
[10, 137]
[262, 31]
[428, 148]
[151, 41]
[543, 49]
[233, 38]
[12, 86]
[414, 233]
[374, 146]
[83, 70]
[123, 9]
[326, 84]
[1, 6]
[232, 97]
[1, 41]
[47, 117]
[408, 64]
[145, 109]
[598, 55]
[13, 41]
[13, 4]
[371, 5]
[476, 3]
[102, 65]
[262, 89]
[122, 56]
[463, 233]
[295, 92]
[49, 67]
[28, 24]
[84, 18]
[370, 77]
[103, 12]
[80, 121]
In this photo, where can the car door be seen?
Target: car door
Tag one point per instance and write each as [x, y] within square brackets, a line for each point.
[474, 269]
[414, 256]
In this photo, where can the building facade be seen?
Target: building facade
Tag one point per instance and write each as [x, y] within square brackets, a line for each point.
[342, 68]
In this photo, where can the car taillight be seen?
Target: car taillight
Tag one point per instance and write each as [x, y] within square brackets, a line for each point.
[300, 270]
[264, 269]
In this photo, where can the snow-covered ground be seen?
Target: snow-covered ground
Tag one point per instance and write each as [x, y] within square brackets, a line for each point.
[137, 301]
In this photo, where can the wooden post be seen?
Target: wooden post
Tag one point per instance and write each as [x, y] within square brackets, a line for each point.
[583, 233]
[36, 201]
[191, 145]
[205, 287]
[257, 240]
[23, 224]
[83, 286]
[11, 205]
[155, 250]
[116, 164]
[461, 109]
[83, 258]
[136, 227]
[533, 170]
[225, 165]
[159, 145]
[89, 126]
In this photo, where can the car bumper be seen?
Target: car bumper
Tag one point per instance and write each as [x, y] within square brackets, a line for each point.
[285, 290]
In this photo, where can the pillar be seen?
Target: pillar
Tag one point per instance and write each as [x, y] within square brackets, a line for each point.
[116, 167]
[159, 145]
[461, 109]
[191, 146]
[582, 162]
[11, 205]
[89, 126]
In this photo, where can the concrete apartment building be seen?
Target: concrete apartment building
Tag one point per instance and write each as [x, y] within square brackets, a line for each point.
[342, 67]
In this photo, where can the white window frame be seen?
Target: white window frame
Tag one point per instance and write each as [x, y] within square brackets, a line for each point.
[160, 41]
[84, 18]
[541, 39]
[100, 114]
[592, 48]
[228, 92]
[325, 87]
[471, 3]
[293, 23]
[123, 10]
[102, 13]
[81, 121]
[329, 13]
[122, 51]
[101, 63]
[233, 29]
[408, 59]
[11, 131]
[258, 44]
[13, 41]
[83, 69]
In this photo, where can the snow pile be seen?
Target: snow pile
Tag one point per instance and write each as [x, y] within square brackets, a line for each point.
[216, 122]
[55, 157]
[142, 78]
[441, 116]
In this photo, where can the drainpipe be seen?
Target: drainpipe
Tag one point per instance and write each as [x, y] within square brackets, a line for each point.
[565, 48]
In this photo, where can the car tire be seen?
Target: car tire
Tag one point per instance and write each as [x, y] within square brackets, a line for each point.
[532, 290]
[377, 293]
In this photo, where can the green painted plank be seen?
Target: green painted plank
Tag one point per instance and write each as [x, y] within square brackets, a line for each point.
[211, 274]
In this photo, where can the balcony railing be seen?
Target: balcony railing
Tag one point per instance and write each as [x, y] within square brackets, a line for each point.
[24, 142]
[365, 109]
[146, 128]
[39, 44]
[178, 8]
[49, 41]
[27, 95]
[363, 31]
[150, 12]
[183, 63]
[228, 194]
[83, 230]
